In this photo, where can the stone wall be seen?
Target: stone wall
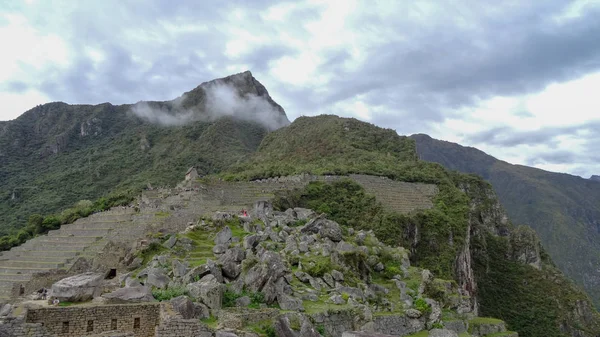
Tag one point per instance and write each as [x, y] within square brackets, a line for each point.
[236, 318]
[141, 319]
[179, 327]
[204, 197]
[397, 325]
[335, 322]
[16, 327]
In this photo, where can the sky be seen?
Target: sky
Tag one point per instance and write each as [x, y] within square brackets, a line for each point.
[519, 80]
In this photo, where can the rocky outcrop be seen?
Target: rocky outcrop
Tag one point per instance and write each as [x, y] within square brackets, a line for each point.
[129, 295]
[78, 288]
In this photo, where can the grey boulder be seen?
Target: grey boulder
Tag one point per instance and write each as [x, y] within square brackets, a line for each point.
[129, 295]
[78, 288]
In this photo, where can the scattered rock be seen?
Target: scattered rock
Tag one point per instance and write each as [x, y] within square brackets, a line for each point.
[129, 295]
[442, 333]
[251, 241]
[201, 311]
[208, 290]
[170, 242]
[157, 278]
[345, 247]
[287, 302]
[304, 213]
[243, 301]
[413, 313]
[282, 327]
[326, 228]
[135, 264]
[179, 269]
[132, 282]
[196, 273]
[224, 236]
[436, 311]
[231, 270]
[337, 275]
[308, 330]
[184, 306]
[6, 309]
[215, 270]
[337, 299]
[379, 267]
[223, 333]
[219, 249]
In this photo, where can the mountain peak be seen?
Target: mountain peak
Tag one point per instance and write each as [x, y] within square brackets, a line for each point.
[595, 177]
[239, 96]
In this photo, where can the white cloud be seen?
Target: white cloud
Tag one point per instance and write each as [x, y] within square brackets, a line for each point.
[15, 104]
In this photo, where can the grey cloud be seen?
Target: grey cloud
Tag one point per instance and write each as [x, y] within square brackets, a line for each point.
[515, 51]
[555, 157]
[507, 137]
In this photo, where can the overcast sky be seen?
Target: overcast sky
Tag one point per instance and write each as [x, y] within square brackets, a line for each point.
[520, 80]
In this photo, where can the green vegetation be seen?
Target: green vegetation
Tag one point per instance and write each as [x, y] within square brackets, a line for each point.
[561, 208]
[531, 301]
[211, 321]
[326, 145]
[256, 298]
[346, 202]
[46, 164]
[422, 333]
[148, 253]
[422, 306]
[38, 224]
[263, 328]
[167, 294]
[317, 266]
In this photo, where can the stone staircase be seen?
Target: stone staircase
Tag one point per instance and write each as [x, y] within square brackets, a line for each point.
[60, 248]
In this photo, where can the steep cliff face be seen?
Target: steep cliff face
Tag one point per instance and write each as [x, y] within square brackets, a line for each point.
[561, 208]
[514, 278]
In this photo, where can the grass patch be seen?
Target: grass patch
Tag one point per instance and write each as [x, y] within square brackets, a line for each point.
[229, 298]
[263, 328]
[422, 333]
[149, 252]
[65, 304]
[485, 320]
[211, 321]
[167, 294]
[317, 266]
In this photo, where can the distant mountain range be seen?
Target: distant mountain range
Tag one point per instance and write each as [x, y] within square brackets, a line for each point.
[563, 209]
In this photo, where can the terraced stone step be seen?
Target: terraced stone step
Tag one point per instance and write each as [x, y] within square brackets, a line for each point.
[81, 232]
[31, 264]
[15, 277]
[9, 283]
[97, 225]
[21, 270]
[69, 239]
[48, 259]
[52, 246]
[42, 253]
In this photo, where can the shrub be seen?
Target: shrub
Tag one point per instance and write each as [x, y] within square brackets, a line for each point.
[167, 294]
[422, 306]
[318, 268]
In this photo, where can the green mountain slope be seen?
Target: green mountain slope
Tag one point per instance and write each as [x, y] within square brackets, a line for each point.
[465, 237]
[56, 154]
[563, 209]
